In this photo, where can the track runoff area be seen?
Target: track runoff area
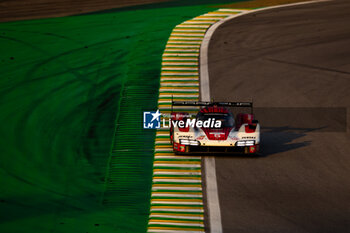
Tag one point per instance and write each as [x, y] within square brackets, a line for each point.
[177, 198]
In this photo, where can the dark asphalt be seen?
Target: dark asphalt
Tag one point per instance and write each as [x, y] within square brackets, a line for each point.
[294, 57]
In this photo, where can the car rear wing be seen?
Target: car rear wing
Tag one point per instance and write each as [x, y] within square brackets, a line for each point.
[203, 103]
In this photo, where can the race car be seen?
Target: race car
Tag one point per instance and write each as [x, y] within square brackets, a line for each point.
[214, 129]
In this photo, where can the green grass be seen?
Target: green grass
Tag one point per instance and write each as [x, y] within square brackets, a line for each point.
[63, 85]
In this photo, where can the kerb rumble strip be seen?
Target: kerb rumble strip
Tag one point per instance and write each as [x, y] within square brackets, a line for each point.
[177, 199]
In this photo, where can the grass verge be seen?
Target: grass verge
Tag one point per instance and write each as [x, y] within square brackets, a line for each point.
[63, 83]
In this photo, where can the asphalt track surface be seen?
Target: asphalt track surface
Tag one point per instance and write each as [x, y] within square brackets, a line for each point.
[288, 57]
[11, 10]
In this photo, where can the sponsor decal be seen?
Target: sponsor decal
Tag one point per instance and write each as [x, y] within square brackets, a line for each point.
[248, 137]
[217, 135]
[185, 136]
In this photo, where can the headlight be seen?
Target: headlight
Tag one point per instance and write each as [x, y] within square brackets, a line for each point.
[184, 142]
[250, 143]
[194, 143]
[240, 143]
[189, 142]
[246, 143]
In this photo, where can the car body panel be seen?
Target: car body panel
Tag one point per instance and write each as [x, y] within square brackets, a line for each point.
[241, 134]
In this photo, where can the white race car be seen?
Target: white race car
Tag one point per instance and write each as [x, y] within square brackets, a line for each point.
[214, 129]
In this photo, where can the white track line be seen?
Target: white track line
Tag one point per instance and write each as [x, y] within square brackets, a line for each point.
[177, 173]
[176, 165]
[190, 181]
[172, 68]
[179, 59]
[170, 42]
[179, 89]
[209, 161]
[179, 63]
[177, 85]
[177, 202]
[158, 188]
[233, 10]
[173, 231]
[174, 157]
[178, 95]
[182, 78]
[199, 210]
[194, 224]
[192, 26]
[176, 216]
[176, 195]
[179, 73]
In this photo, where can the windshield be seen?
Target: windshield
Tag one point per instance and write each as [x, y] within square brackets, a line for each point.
[226, 119]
